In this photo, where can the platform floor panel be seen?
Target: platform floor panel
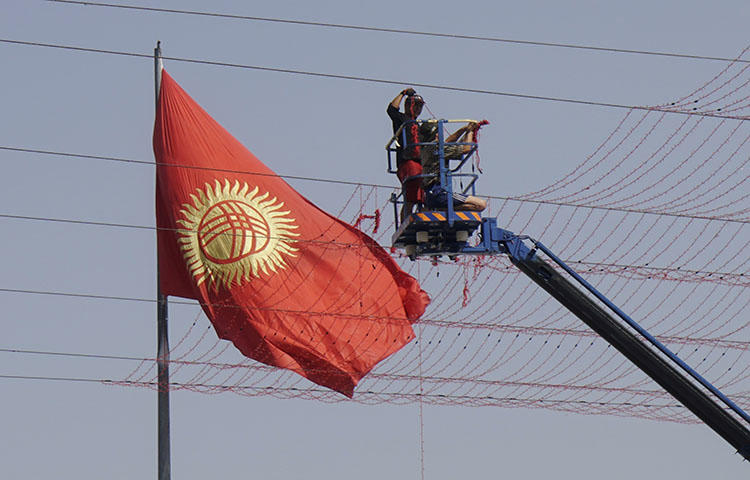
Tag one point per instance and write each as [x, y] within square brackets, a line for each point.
[435, 223]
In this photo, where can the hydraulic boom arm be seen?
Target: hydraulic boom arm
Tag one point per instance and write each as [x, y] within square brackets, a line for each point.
[647, 353]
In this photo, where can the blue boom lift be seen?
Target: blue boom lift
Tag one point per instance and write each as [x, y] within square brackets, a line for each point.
[435, 233]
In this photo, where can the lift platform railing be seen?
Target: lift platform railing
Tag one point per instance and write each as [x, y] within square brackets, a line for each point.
[447, 172]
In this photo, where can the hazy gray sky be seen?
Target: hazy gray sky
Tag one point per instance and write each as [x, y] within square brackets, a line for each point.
[98, 104]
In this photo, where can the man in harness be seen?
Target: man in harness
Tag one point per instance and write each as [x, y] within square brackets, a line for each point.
[408, 158]
[449, 212]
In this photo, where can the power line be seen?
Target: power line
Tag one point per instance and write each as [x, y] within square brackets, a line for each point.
[262, 367]
[90, 296]
[93, 356]
[382, 318]
[325, 180]
[329, 393]
[589, 264]
[508, 328]
[402, 31]
[163, 229]
[184, 302]
[80, 222]
[148, 227]
[376, 80]
[189, 167]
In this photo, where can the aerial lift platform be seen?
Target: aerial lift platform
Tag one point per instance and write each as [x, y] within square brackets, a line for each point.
[444, 231]
[448, 232]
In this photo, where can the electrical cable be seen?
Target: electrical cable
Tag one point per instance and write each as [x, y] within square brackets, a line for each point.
[376, 80]
[307, 391]
[251, 366]
[433, 322]
[592, 265]
[340, 182]
[400, 31]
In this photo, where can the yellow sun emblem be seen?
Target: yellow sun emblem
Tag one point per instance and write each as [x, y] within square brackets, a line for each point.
[232, 233]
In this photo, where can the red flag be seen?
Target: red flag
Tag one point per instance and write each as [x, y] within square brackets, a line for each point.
[288, 284]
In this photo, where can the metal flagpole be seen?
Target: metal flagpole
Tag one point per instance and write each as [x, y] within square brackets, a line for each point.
[162, 332]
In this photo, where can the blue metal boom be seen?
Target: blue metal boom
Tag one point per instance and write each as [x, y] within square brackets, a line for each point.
[657, 361]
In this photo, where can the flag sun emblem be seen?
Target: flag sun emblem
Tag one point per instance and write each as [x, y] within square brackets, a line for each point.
[231, 233]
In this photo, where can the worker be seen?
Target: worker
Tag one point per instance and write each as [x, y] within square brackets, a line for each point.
[408, 161]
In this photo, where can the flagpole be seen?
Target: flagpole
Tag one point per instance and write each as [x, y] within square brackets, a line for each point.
[162, 333]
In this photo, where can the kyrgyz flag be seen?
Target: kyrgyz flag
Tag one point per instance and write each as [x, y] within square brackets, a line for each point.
[287, 283]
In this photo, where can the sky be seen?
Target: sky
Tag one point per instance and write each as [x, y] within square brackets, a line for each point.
[99, 104]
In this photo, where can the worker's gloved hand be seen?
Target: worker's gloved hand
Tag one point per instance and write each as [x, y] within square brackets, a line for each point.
[409, 91]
